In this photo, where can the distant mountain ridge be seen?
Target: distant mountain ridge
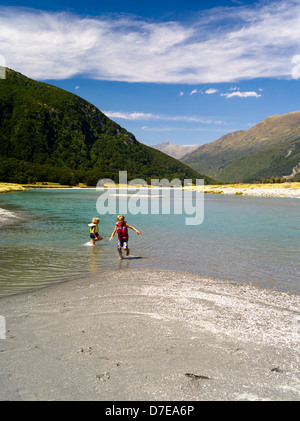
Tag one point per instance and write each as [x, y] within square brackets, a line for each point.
[271, 148]
[48, 134]
[176, 151]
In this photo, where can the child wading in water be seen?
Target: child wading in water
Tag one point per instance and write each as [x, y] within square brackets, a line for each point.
[94, 235]
[122, 228]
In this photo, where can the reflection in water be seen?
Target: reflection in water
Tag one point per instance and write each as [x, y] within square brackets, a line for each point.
[124, 264]
[95, 256]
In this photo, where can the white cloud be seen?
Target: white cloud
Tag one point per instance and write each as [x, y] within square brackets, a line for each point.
[188, 129]
[2, 67]
[242, 94]
[194, 91]
[252, 41]
[211, 91]
[140, 116]
[181, 93]
[132, 116]
[2, 61]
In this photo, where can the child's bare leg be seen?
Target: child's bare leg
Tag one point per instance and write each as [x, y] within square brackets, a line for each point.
[127, 251]
[120, 254]
[93, 241]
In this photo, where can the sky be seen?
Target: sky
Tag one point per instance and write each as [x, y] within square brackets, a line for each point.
[187, 71]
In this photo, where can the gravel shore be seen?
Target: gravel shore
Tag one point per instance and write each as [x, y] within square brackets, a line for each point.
[287, 190]
[136, 335]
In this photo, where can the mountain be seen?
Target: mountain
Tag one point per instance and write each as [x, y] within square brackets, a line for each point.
[48, 134]
[271, 148]
[176, 151]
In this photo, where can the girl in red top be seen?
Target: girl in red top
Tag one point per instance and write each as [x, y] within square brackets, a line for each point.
[122, 229]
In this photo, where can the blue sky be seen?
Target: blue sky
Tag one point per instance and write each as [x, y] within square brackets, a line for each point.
[181, 71]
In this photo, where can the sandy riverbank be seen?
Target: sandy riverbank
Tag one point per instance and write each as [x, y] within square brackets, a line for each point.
[259, 190]
[150, 335]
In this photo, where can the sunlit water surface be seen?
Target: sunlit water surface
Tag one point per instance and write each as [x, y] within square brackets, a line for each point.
[43, 235]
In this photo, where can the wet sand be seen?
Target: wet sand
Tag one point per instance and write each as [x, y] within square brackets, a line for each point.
[136, 335]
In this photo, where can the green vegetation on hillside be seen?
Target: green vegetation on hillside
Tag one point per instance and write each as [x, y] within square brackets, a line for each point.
[269, 149]
[48, 134]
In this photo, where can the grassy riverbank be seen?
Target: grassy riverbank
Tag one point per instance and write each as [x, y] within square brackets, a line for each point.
[9, 187]
[265, 190]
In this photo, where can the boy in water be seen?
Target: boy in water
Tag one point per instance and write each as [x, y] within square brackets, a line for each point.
[94, 235]
[122, 228]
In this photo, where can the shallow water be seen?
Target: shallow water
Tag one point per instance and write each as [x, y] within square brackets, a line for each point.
[246, 239]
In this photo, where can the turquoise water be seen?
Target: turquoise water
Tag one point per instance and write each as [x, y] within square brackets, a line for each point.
[246, 239]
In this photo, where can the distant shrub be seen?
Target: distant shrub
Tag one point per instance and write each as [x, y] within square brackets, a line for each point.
[273, 180]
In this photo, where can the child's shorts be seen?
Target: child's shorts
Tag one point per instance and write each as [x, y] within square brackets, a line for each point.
[122, 245]
[93, 236]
